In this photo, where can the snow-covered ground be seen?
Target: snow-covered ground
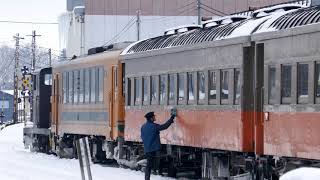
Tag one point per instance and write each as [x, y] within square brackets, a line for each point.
[17, 163]
[302, 174]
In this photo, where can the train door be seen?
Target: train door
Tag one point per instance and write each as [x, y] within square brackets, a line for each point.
[55, 103]
[259, 98]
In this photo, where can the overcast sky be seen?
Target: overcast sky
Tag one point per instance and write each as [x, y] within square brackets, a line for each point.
[35, 11]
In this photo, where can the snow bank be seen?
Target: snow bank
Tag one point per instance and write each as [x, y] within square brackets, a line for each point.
[17, 163]
[302, 174]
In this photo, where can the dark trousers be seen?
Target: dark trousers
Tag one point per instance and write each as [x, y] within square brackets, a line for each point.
[153, 162]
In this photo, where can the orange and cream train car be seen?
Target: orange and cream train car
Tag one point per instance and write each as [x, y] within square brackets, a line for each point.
[87, 101]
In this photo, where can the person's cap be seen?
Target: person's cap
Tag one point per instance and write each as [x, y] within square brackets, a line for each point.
[149, 115]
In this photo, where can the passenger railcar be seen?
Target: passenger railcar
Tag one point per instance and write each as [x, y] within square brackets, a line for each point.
[86, 101]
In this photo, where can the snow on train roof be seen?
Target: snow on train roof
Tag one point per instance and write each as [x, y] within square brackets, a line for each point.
[276, 20]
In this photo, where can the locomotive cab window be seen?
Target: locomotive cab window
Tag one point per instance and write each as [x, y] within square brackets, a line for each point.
[286, 74]
[212, 87]
[303, 73]
[272, 84]
[317, 79]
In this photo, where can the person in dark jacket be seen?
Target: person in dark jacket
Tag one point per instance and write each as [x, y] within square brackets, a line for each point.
[150, 135]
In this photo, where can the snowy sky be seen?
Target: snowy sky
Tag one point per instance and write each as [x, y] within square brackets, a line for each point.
[35, 11]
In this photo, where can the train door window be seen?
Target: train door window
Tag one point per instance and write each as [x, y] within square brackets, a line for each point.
[81, 86]
[87, 85]
[70, 87]
[237, 86]
[64, 87]
[93, 85]
[272, 84]
[303, 71]
[153, 89]
[163, 86]
[286, 74]
[128, 91]
[101, 83]
[318, 82]
[212, 86]
[145, 81]
[48, 79]
[201, 87]
[224, 86]
[171, 89]
[190, 88]
[75, 86]
[137, 92]
[181, 94]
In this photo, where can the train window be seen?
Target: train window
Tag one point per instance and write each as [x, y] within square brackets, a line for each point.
[93, 85]
[181, 87]
[286, 73]
[137, 92]
[145, 90]
[81, 86]
[190, 87]
[171, 89]
[272, 84]
[64, 87]
[48, 79]
[201, 86]
[101, 83]
[70, 87]
[128, 91]
[318, 80]
[87, 85]
[75, 86]
[212, 85]
[237, 85]
[163, 85]
[224, 85]
[153, 89]
[303, 70]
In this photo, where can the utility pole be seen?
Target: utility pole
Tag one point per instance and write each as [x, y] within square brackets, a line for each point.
[49, 53]
[199, 11]
[16, 80]
[138, 24]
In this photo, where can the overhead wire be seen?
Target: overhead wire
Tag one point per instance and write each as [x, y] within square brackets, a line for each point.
[28, 22]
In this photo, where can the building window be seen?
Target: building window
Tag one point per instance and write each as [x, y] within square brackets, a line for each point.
[201, 86]
[224, 85]
[318, 80]
[171, 89]
[212, 85]
[75, 86]
[137, 94]
[93, 85]
[286, 81]
[70, 87]
[237, 85]
[145, 90]
[101, 83]
[272, 84]
[190, 87]
[87, 85]
[163, 85]
[180, 87]
[153, 88]
[64, 87]
[81, 86]
[303, 70]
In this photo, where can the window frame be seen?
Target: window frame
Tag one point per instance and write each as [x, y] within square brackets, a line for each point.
[148, 100]
[272, 100]
[235, 85]
[286, 100]
[227, 100]
[217, 81]
[165, 90]
[317, 99]
[192, 101]
[202, 101]
[303, 100]
[185, 85]
[139, 101]
[174, 100]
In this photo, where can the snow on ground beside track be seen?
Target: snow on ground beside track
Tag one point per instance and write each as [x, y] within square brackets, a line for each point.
[17, 163]
[302, 174]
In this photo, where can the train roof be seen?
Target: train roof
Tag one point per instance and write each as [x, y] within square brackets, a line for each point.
[279, 18]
